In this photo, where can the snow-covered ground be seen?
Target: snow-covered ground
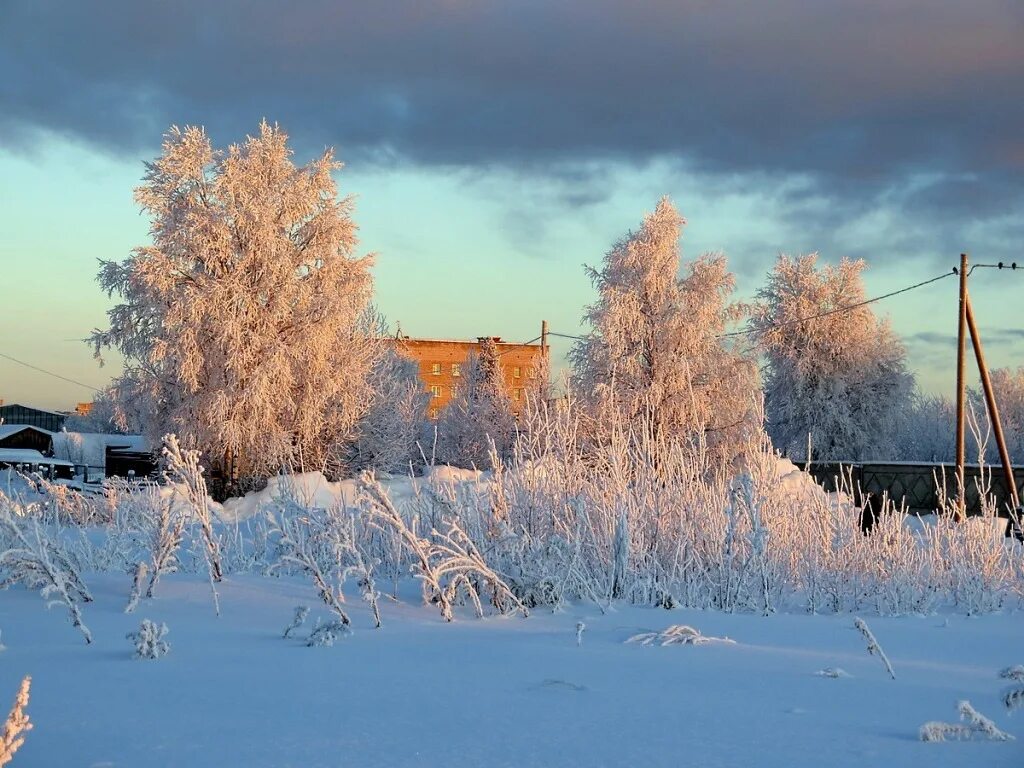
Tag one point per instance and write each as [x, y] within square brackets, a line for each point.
[497, 691]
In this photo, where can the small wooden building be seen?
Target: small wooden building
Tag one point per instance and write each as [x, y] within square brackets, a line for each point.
[129, 462]
[26, 437]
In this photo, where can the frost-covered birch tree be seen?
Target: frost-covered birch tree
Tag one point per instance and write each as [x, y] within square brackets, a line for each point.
[241, 325]
[1008, 386]
[656, 345]
[389, 431]
[841, 379]
[480, 413]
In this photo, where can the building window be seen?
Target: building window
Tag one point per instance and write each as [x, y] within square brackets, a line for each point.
[517, 372]
[435, 391]
[517, 393]
[435, 369]
[456, 370]
[433, 414]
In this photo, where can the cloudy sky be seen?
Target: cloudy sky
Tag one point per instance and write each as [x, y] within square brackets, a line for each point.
[494, 147]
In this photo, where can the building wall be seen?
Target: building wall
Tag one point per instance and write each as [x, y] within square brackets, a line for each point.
[34, 417]
[441, 363]
[32, 439]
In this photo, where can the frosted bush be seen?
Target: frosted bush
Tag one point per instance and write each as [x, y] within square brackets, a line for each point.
[874, 649]
[166, 527]
[1013, 698]
[16, 725]
[974, 724]
[448, 564]
[34, 555]
[572, 514]
[301, 612]
[677, 634]
[183, 467]
[1016, 673]
[141, 569]
[327, 633]
[149, 640]
[833, 672]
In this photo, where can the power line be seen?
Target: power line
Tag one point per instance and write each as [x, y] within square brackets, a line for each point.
[517, 344]
[1000, 265]
[1012, 266]
[828, 313]
[49, 373]
[838, 310]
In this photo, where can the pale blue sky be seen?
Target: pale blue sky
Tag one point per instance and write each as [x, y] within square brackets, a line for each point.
[460, 254]
[494, 148]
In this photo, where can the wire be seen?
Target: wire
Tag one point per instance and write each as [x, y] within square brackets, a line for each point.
[514, 344]
[747, 332]
[566, 336]
[1001, 265]
[837, 310]
[49, 373]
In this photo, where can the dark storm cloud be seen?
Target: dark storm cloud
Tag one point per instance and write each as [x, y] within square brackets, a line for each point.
[912, 107]
[854, 90]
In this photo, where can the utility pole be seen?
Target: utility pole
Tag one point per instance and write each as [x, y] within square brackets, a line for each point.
[993, 410]
[544, 337]
[961, 393]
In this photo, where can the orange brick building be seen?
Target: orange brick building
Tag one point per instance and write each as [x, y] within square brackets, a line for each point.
[442, 362]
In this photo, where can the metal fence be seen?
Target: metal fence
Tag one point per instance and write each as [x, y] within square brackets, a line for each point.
[919, 486]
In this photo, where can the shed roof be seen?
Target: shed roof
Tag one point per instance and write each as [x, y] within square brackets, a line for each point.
[6, 430]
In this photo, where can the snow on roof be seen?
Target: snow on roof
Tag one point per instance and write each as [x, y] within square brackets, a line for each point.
[112, 440]
[6, 430]
[28, 456]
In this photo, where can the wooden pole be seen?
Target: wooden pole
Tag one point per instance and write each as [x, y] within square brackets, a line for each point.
[544, 337]
[993, 408]
[961, 393]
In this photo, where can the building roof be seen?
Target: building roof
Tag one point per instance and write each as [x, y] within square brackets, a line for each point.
[28, 456]
[6, 430]
[31, 408]
[474, 342]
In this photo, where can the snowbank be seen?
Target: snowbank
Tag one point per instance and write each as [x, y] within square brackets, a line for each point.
[315, 490]
[795, 485]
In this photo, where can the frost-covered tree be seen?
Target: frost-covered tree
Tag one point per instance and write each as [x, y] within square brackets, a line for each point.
[70, 446]
[840, 379]
[389, 431]
[242, 325]
[480, 413]
[657, 345]
[102, 417]
[925, 431]
[1008, 386]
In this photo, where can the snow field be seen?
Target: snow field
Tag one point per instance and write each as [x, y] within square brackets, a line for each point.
[497, 691]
